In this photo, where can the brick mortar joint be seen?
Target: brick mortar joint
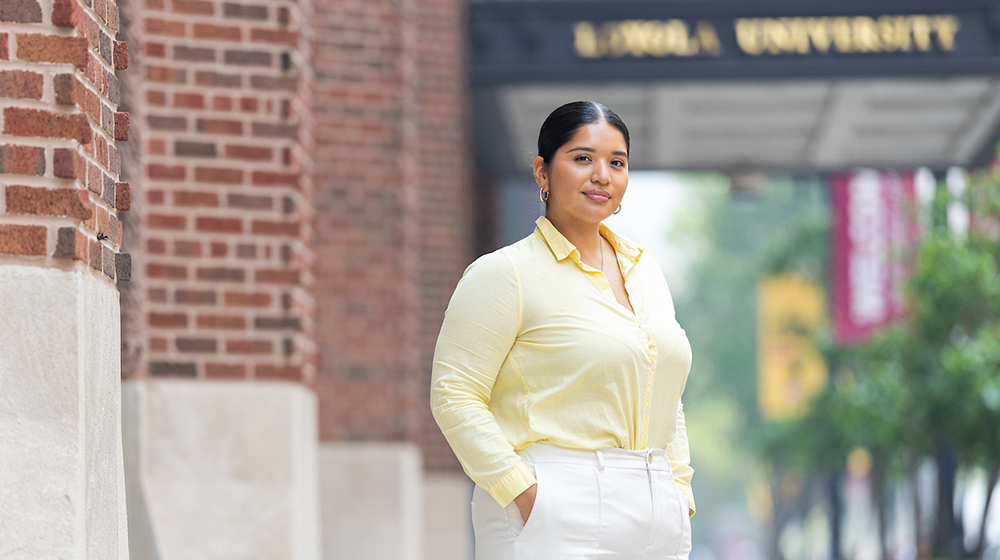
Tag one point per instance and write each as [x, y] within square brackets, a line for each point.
[38, 29]
[54, 68]
[36, 141]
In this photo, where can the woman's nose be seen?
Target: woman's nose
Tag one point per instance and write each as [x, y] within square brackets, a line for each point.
[601, 174]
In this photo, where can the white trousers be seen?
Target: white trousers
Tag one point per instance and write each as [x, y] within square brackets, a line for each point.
[607, 504]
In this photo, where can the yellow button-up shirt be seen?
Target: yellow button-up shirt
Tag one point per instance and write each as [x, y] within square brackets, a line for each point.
[535, 347]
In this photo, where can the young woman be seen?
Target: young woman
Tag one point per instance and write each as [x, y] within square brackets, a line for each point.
[559, 369]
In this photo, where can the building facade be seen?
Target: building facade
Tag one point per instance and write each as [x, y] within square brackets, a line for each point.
[250, 348]
[229, 229]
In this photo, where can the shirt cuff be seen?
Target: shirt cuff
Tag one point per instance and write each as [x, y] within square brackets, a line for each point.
[519, 479]
[686, 490]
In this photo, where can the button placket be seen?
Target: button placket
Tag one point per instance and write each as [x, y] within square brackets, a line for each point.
[650, 379]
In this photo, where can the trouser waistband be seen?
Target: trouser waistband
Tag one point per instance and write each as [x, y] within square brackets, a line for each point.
[647, 459]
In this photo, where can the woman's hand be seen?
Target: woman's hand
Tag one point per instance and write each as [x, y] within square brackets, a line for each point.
[526, 501]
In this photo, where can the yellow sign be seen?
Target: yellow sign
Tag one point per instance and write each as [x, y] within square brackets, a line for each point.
[861, 34]
[791, 371]
[636, 37]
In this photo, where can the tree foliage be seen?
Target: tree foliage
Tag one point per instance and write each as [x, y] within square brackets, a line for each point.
[933, 379]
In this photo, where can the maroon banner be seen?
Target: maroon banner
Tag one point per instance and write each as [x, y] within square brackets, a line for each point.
[874, 232]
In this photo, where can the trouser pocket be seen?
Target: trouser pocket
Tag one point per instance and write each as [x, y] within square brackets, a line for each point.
[518, 526]
[565, 520]
[672, 529]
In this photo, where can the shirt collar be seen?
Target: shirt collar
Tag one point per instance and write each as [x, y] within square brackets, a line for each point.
[628, 252]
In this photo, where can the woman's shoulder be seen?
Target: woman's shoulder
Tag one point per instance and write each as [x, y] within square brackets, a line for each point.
[493, 262]
[515, 255]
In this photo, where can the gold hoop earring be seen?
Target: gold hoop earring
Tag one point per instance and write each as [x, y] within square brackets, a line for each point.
[543, 195]
[618, 210]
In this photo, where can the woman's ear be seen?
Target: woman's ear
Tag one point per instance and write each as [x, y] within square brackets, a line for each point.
[541, 172]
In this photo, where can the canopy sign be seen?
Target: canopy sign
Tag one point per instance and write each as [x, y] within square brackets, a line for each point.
[589, 40]
[768, 36]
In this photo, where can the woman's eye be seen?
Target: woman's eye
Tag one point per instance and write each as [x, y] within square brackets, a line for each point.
[618, 162]
[582, 158]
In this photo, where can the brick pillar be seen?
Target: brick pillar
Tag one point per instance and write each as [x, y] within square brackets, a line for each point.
[221, 105]
[393, 235]
[61, 464]
[59, 161]
[220, 413]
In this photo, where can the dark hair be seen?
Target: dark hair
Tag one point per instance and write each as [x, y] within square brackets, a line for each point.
[563, 123]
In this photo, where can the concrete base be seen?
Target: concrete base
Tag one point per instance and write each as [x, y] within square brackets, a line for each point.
[447, 517]
[221, 470]
[62, 490]
[371, 501]
[377, 504]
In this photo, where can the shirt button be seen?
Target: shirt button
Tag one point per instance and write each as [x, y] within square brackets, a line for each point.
[647, 410]
[652, 365]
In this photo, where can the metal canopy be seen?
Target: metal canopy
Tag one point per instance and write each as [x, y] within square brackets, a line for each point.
[731, 84]
[791, 124]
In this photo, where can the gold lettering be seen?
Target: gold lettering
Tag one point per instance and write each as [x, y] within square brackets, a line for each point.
[777, 36]
[799, 32]
[749, 36]
[585, 40]
[921, 26]
[755, 36]
[655, 39]
[646, 35]
[707, 38]
[632, 38]
[640, 38]
[819, 34]
[866, 37]
[606, 39]
[679, 38]
[947, 28]
[894, 31]
[841, 31]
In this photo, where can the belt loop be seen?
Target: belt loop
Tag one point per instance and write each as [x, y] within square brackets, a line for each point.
[600, 460]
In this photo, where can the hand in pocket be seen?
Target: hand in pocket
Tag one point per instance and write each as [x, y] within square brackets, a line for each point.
[526, 502]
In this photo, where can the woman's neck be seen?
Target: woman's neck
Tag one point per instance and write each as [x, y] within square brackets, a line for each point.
[585, 236]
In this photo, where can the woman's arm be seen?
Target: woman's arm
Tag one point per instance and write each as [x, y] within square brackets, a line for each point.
[480, 325]
[680, 459]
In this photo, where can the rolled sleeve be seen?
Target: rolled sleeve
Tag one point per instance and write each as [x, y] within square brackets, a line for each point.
[480, 326]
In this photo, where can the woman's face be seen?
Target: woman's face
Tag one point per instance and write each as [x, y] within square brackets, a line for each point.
[587, 176]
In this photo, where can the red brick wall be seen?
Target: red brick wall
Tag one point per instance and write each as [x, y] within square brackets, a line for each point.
[60, 190]
[238, 109]
[220, 98]
[392, 203]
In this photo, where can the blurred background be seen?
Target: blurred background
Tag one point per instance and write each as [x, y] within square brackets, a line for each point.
[306, 180]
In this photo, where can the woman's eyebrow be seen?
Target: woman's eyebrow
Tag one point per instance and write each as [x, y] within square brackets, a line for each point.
[591, 150]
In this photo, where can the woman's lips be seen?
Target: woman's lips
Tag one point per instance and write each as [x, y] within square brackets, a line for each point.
[598, 196]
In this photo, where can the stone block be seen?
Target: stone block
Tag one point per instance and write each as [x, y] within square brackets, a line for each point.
[61, 465]
[222, 470]
[382, 484]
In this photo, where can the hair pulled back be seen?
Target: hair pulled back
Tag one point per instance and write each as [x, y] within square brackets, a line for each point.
[563, 123]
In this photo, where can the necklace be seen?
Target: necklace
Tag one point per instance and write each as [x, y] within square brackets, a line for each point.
[602, 254]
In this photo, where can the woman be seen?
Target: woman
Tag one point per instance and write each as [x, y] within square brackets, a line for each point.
[559, 369]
